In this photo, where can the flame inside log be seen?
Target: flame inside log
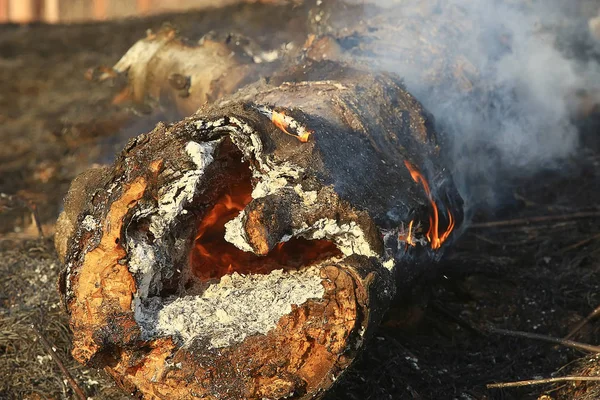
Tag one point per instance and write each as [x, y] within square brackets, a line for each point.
[433, 235]
[212, 256]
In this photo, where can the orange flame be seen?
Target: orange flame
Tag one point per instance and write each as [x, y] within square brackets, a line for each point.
[212, 256]
[227, 208]
[432, 235]
[279, 120]
[409, 238]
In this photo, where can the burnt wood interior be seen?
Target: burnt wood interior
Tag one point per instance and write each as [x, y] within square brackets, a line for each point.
[211, 256]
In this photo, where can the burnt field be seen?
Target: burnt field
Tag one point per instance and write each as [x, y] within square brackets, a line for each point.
[529, 261]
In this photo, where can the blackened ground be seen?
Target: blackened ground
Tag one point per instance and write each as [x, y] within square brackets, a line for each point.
[54, 122]
[538, 277]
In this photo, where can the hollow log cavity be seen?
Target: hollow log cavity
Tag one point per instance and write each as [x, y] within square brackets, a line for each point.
[248, 251]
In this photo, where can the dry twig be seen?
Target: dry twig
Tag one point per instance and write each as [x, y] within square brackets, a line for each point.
[15, 201]
[593, 315]
[49, 349]
[456, 319]
[542, 381]
[543, 218]
[536, 336]
[36, 218]
[581, 243]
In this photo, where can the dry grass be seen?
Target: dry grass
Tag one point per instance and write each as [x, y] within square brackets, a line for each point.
[29, 296]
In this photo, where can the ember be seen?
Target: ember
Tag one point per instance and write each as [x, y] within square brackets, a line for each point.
[281, 121]
[212, 256]
[432, 235]
[286, 123]
[409, 238]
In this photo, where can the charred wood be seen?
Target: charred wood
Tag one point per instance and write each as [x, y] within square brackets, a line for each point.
[249, 250]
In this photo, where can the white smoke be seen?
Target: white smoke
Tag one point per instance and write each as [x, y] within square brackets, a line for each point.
[490, 71]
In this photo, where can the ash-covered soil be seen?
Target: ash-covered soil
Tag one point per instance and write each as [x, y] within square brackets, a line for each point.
[532, 274]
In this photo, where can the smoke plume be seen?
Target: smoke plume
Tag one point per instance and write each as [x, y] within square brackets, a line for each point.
[495, 77]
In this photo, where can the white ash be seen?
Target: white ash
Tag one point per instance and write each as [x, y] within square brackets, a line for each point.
[142, 256]
[349, 238]
[201, 153]
[266, 56]
[68, 287]
[270, 183]
[276, 178]
[285, 238]
[247, 129]
[309, 198]
[201, 124]
[112, 187]
[389, 264]
[333, 84]
[233, 309]
[143, 260]
[236, 234]
[89, 223]
[270, 178]
[173, 197]
[248, 142]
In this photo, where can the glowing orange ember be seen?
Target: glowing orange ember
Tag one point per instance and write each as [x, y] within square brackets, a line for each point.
[409, 238]
[212, 256]
[432, 235]
[279, 119]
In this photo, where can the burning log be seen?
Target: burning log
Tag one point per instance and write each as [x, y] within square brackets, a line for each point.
[249, 250]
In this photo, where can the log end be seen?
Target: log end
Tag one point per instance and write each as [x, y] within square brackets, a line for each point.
[299, 354]
[160, 298]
